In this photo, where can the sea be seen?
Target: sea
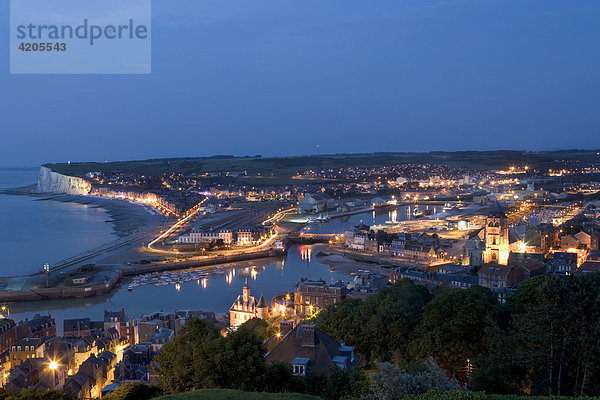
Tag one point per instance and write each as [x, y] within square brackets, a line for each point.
[34, 231]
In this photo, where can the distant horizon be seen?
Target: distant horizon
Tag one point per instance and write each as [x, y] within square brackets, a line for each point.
[280, 78]
[33, 167]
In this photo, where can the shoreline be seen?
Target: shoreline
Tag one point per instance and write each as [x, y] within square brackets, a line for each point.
[125, 216]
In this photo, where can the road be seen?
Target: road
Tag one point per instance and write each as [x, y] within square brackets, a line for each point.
[266, 244]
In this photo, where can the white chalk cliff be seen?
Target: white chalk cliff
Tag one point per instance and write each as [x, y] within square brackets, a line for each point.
[53, 182]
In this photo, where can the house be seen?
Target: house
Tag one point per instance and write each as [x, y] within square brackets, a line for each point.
[41, 326]
[148, 325]
[80, 385]
[308, 349]
[162, 337]
[310, 203]
[444, 277]
[76, 327]
[584, 239]
[198, 236]
[563, 262]
[61, 351]
[569, 242]
[32, 372]
[124, 326]
[366, 283]
[247, 236]
[498, 276]
[8, 333]
[246, 307]
[25, 349]
[312, 296]
[588, 267]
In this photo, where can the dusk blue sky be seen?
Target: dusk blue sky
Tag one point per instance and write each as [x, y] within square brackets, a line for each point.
[279, 77]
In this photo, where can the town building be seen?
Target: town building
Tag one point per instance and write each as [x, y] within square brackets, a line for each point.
[498, 276]
[312, 296]
[314, 202]
[246, 307]
[26, 348]
[309, 350]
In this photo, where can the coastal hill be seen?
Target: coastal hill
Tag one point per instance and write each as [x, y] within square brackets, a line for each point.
[282, 169]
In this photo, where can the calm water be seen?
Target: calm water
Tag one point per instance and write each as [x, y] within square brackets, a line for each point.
[34, 232]
[340, 225]
[58, 230]
[216, 293]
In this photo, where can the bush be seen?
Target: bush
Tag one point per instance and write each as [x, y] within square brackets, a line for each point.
[135, 391]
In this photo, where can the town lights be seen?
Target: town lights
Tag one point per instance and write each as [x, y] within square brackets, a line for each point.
[53, 365]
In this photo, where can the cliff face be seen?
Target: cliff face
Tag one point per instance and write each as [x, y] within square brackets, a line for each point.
[53, 182]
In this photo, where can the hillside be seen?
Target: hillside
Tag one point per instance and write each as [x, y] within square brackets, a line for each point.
[286, 167]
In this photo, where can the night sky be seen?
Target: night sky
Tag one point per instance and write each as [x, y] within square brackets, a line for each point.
[279, 77]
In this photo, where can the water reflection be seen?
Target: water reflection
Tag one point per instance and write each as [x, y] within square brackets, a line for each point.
[269, 277]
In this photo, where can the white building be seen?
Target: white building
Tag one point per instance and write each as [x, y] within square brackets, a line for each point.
[198, 236]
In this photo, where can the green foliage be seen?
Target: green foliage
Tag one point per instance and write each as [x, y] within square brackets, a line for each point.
[381, 327]
[261, 327]
[464, 395]
[178, 359]
[35, 394]
[134, 391]
[553, 342]
[200, 357]
[227, 394]
[391, 382]
[453, 326]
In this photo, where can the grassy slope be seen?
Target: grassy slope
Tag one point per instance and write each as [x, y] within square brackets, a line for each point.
[289, 165]
[279, 170]
[226, 394]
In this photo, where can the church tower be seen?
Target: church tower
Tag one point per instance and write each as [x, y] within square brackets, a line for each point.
[497, 247]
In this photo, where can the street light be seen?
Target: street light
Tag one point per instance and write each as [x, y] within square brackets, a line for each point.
[53, 365]
[46, 270]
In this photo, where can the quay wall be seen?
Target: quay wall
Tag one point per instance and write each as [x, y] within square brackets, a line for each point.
[13, 296]
[53, 182]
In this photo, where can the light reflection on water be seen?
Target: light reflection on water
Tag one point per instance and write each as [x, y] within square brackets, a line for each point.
[216, 292]
[375, 217]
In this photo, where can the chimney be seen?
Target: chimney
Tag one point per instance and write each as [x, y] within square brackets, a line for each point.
[285, 327]
[308, 335]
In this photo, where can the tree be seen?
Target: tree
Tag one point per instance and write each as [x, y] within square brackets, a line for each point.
[134, 391]
[177, 359]
[392, 382]
[453, 327]
[232, 362]
[344, 383]
[261, 327]
[35, 394]
[556, 325]
[381, 327]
